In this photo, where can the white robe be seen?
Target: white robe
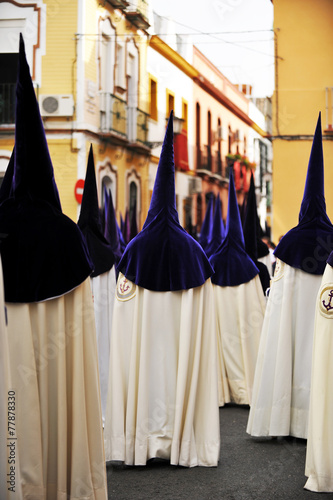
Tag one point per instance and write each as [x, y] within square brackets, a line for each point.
[240, 312]
[267, 260]
[319, 452]
[54, 370]
[103, 289]
[163, 396]
[281, 389]
[10, 486]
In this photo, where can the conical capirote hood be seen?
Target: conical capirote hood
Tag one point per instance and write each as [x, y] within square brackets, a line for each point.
[90, 224]
[163, 256]
[232, 265]
[308, 245]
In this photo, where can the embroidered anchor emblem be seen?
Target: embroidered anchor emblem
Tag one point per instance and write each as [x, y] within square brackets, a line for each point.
[125, 286]
[328, 306]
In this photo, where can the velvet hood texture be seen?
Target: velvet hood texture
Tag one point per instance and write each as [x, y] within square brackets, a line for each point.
[90, 223]
[217, 231]
[308, 245]
[232, 265]
[254, 247]
[43, 252]
[163, 256]
[207, 225]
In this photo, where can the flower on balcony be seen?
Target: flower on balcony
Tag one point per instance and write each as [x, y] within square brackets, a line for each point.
[243, 160]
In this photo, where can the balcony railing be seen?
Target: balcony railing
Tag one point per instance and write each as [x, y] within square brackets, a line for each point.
[7, 103]
[113, 114]
[118, 4]
[218, 163]
[138, 14]
[116, 117]
[141, 126]
[206, 159]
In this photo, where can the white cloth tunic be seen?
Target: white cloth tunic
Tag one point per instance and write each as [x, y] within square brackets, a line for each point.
[10, 485]
[281, 389]
[103, 289]
[163, 396]
[319, 452]
[267, 260]
[54, 370]
[240, 312]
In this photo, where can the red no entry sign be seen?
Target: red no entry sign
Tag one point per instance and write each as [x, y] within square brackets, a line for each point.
[78, 191]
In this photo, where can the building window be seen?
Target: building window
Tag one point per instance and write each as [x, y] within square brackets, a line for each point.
[106, 186]
[153, 98]
[8, 73]
[133, 193]
[107, 175]
[199, 211]
[197, 134]
[209, 129]
[229, 140]
[106, 56]
[170, 102]
[263, 162]
[219, 147]
[120, 66]
[184, 114]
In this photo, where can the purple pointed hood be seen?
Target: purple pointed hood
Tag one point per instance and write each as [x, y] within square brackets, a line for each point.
[218, 231]
[90, 224]
[44, 254]
[163, 256]
[207, 225]
[112, 231]
[308, 245]
[232, 265]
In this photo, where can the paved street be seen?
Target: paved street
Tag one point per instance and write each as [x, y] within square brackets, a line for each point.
[249, 469]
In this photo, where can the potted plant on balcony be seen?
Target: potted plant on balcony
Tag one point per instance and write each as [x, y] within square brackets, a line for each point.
[242, 159]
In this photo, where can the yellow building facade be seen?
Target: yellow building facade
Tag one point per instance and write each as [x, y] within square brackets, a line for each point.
[303, 88]
[88, 59]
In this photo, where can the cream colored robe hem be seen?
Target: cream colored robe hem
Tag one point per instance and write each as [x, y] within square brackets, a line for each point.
[281, 389]
[103, 289]
[319, 453]
[240, 312]
[163, 394]
[54, 369]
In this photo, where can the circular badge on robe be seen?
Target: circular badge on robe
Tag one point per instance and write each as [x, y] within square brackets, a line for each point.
[279, 270]
[326, 301]
[125, 289]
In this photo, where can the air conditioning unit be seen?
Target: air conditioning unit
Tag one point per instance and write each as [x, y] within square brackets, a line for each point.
[56, 105]
[221, 134]
[195, 185]
[239, 136]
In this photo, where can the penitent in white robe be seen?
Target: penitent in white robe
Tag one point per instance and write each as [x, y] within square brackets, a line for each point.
[10, 486]
[319, 452]
[103, 289]
[163, 396]
[54, 370]
[240, 312]
[281, 389]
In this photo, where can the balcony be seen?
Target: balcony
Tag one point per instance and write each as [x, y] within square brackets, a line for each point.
[137, 15]
[7, 103]
[122, 123]
[113, 115]
[218, 164]
[118, 4]
[205, 162]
